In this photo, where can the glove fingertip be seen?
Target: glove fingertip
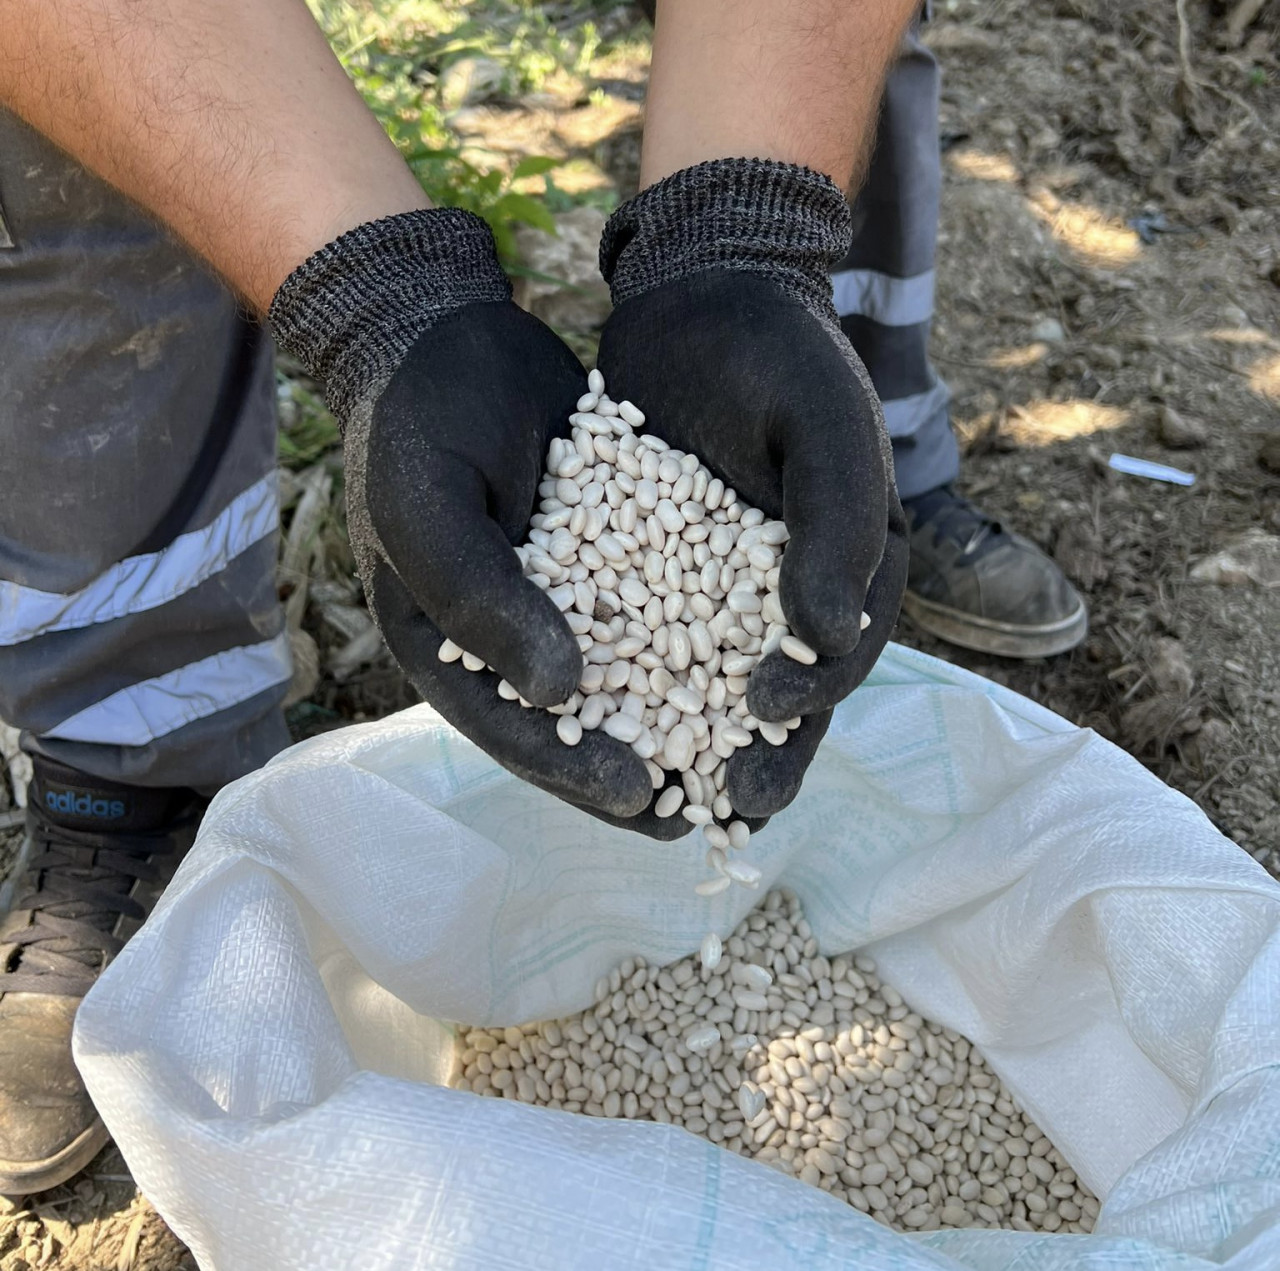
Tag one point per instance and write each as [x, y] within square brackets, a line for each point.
[822, 607]
[627, 803]
[619, 784]
[661, 829]
[517, 629]
[755, 800]
[757, 793]
[781, 688]
[764, 779]
[551, 669]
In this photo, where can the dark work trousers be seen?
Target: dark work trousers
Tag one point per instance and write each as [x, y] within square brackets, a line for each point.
[141, 638]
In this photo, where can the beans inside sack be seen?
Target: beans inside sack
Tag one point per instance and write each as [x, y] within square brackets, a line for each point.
[670, 583]
[811, 1065]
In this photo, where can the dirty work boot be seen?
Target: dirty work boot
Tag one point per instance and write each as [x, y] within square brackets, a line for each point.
[98, 856]
[974, 584]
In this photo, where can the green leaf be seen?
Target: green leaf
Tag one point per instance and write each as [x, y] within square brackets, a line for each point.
[520, 207]
[534, 166]
[452, 50]
[517, 270]
[427, 152]
[503, 240]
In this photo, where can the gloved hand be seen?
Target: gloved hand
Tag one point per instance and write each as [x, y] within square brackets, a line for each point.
[725, 335]
[448, 395]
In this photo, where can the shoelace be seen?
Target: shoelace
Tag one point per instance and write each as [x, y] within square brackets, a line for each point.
[951, 517]
[76, 888]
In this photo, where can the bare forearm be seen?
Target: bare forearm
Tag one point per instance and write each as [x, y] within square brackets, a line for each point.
[796, 80]
[230, 120]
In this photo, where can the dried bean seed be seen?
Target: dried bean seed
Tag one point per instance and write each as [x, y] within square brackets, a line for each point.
[815, 1099]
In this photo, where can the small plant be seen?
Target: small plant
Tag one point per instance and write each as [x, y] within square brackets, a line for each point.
[449, 178]
[307, 429]
[394, 51]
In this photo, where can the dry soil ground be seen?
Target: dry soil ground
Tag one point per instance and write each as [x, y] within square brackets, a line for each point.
[1109, 280]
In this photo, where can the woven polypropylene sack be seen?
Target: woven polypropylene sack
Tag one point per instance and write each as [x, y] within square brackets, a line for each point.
[267, 1052]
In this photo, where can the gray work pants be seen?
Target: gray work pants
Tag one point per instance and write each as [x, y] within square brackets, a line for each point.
[140, 634]
[884, 287]
[141, 638]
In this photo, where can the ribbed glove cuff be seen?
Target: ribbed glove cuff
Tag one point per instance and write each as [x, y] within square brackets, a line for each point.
[787, 222]
[350, 312]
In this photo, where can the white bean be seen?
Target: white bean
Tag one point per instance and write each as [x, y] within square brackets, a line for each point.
[712, 951]
[623, 727]
[713, 886]
[669, 516]
[669, 801]
[632, 414]
[685, 700]
[591, 716]
[679, 746]
[741, 872]
[715, 835]
[796, 649]
[702, 1038]
[681, 648]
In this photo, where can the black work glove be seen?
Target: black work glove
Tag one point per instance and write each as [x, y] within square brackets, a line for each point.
[725, 335]
[447, 395]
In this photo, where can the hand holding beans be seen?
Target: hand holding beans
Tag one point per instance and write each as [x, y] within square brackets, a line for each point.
[725, 332]
[457, 449]
[732, 369]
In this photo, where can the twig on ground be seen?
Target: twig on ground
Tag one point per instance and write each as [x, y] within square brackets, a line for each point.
[1188, 76]
[127, 1258]
[301, 541]
[1240, 19]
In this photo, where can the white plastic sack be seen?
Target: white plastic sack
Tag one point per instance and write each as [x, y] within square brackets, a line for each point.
[263, 1050]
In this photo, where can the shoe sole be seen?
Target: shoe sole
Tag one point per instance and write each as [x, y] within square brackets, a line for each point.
[1006, 639]
[26, 1178]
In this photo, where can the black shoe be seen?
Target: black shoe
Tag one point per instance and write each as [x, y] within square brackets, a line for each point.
[98, 856]
[974, 584]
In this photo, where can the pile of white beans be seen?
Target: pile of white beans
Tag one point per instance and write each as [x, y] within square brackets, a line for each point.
[809, 1064]
[670, 584]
